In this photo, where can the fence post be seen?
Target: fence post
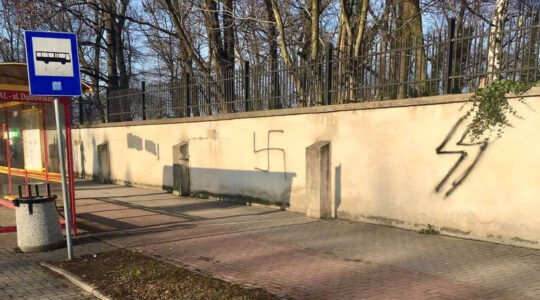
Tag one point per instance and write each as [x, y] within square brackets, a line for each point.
[329, 57]
[188, 94]
[450, 58]
[81, 118]
[143, 89]
[276, 93]
[246, 85]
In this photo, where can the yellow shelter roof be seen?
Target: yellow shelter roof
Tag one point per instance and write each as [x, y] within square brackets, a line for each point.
[14, 77]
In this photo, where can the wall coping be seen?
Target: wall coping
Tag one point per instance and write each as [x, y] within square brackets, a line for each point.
[420, 101]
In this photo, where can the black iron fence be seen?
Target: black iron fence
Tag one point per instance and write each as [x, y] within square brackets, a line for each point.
[458, 59]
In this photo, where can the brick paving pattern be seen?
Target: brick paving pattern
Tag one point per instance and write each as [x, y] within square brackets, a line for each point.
[301, 258]
[21, 276]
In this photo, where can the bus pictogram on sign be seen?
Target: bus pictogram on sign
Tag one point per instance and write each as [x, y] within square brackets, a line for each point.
[49, 56]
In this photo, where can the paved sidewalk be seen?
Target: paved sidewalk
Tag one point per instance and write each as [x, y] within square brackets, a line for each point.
[301, 258]
[7, 217]
[21, 276]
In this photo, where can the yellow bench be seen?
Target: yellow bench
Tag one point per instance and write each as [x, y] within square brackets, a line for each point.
[10, 198]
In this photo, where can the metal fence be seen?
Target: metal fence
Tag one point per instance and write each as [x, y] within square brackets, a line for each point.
[452, 60]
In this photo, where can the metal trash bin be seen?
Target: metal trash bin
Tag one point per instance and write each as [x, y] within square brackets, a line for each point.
[38, 226]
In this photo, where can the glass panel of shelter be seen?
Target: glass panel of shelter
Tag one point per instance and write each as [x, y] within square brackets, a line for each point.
[16, 129]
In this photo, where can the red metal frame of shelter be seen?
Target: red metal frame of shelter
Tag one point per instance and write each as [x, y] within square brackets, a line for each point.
[25, 97]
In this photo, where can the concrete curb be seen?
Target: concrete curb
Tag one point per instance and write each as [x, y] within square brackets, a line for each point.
[76, 280]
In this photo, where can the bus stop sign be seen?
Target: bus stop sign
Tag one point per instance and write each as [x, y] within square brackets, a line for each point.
[53, 63]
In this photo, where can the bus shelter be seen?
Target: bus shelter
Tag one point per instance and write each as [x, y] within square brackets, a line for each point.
[29, 143]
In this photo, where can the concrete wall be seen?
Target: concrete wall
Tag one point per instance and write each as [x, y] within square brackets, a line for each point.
[384, 165]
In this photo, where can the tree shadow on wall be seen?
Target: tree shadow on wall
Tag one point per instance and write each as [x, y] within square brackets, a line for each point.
[95, 166]
[337, 188]
[244, 186]
[136, 142]
[83, 160]
[152, 148]
[167, 181]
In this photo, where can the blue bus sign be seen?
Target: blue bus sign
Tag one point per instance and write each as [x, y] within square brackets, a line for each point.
[53, 63]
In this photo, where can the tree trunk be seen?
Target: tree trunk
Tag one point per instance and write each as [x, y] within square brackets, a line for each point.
[125, 103]
[410, 21]
[417, 41]
[384, 46]
[341, 62]
[314, 29]
[532, 57]
[317, 76]
[218, 43]
[273, 51]
[185, 42]
[229, 29]
[285, 52]
[112, 73]
[495, 40]
[462, 47]
[96, 66]
[361, 19]
[112, 68]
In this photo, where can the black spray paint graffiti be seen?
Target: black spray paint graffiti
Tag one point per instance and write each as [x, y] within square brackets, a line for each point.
[268, 149]
[463, 154]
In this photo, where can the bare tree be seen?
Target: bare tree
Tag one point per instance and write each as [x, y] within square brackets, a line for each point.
[411, 37]
[11, 38]
[495, 42]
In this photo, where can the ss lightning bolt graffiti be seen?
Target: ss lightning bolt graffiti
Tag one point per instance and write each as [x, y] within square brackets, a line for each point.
[482, 145]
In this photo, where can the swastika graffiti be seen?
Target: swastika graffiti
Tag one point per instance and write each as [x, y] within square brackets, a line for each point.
[268, 149]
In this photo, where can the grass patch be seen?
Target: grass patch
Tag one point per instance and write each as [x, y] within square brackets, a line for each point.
[429, 230]
[124, 274]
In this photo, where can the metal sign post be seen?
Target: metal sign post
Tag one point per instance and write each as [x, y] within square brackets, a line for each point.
[53, 70]
[65, 194]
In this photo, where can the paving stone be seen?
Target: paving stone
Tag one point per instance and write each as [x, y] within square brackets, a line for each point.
[297, 257]
[21, 276]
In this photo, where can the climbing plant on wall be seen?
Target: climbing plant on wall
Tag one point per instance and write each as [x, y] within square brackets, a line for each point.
[490, 110]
